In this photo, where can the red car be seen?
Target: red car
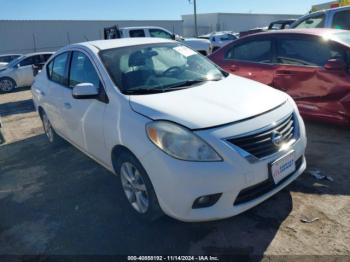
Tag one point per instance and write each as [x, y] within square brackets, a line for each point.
[311, 65]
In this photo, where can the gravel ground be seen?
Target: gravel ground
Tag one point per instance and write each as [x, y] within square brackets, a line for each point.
[58, 201]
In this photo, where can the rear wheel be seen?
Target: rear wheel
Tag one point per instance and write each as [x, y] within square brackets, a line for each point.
[49, 131]
[7, 84]
[137, 187]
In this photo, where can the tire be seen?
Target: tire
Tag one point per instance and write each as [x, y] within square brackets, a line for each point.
[137, 187]
[53, 138]
[7, 85]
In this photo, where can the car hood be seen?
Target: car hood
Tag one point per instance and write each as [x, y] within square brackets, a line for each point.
[211, 103]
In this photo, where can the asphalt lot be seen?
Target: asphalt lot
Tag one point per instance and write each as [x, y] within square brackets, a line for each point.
[58, 201]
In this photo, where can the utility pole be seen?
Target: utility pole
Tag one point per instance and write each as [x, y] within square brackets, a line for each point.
[195, 16]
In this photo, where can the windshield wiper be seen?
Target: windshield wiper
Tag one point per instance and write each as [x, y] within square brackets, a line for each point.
[162, 89]
[185, 83]
[141, 91]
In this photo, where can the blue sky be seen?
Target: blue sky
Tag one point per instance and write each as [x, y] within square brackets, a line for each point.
[142, 9]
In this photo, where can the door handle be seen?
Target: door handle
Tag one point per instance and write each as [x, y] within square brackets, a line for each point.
[284, 72]
[234, 68]
[67, 105]
[39, 92]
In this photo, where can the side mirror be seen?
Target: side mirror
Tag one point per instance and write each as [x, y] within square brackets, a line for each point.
[173, 37]
[335, 65]
[85, 91]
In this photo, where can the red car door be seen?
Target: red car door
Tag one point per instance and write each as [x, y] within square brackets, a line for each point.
[250, 57]
[319, 87]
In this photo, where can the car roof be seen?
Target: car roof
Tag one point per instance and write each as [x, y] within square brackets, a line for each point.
[38, 53]
[283, 21]
[123, 42]
[330, 10]
[10, 55]
[310, 31]
[142, 27]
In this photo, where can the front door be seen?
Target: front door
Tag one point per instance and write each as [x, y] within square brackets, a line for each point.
[84, 117]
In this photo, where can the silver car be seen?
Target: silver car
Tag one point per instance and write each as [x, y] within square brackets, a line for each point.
[19, 72]
[331, 18]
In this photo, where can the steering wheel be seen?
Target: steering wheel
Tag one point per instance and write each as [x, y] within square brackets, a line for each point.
[172, 71]
[151, 81]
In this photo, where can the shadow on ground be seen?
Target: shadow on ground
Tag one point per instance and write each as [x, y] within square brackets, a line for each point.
[17, 107]
[328, 151]
[58, 201]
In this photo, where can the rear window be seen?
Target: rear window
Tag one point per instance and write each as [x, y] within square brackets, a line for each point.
[312, 22]
[341, 20]
[306, 52]
[137, 33]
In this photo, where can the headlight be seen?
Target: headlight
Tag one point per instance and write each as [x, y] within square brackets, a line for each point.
[180, 142]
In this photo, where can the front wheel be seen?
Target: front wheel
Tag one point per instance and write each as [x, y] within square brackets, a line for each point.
[7, 85]
[137, 187]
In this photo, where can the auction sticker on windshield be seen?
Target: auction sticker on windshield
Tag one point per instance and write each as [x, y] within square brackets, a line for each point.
[283, 167]
[185, 51]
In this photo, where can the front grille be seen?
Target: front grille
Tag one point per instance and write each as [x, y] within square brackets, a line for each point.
[262, 188]
[260, 144]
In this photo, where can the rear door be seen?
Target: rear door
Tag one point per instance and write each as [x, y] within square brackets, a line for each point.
[252, 59]
[53, 92]
[302, 75]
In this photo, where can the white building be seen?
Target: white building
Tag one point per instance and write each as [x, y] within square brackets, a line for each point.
[24, 36]
[236, 22]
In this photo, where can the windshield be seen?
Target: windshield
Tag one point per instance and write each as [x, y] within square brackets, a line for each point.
[14, 62]
[157, 68]
[343, 37]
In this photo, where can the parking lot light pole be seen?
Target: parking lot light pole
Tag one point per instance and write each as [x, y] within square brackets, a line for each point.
[195, 17]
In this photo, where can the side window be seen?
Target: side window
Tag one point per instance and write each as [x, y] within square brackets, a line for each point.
[47, 57]
[137, 33]
[59, 68]
[309, 52]
[37, 59]
[5, 59]
[258, 51]
[27, 61]
[44, 58]
[159, 33]
[341, 20]
[49, 69]
[312, 22]
[82, 71]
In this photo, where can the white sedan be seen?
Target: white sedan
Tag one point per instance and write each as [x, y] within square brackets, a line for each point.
[19, 72]
[186, 138]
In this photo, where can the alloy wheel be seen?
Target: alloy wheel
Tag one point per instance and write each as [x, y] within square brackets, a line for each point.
[48, 128]
[6, 85]
[134, 187]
